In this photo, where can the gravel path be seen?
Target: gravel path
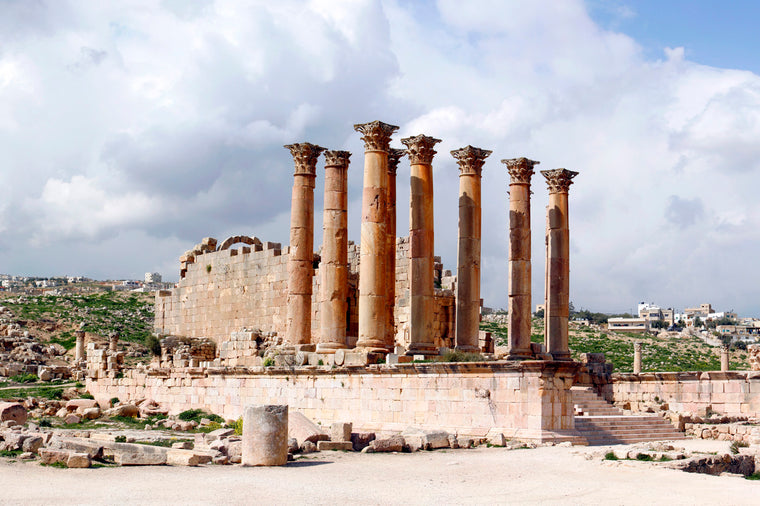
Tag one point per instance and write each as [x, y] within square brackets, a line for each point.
[547, 475]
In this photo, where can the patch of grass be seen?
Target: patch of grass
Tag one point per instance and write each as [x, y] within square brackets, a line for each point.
[459, 356]
[58, 465]
[644, 457]
[164, 443]
[198, 414]
[42, 392]
[87, 395]
[665, 458]
[120, 439]
[753, 476]
[65, 339]
[610, 456]
[10, 453]
[25, 378]
[268, 362]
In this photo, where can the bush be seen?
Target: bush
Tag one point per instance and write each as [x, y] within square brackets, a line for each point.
[736, 445]
[238, 426]
[153, 344]
[25, 378]
[610, 456]
[86, 395]
[198, 414]
[268, 362]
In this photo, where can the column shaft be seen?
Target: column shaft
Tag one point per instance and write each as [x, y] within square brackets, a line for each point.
[394, 156]
[334, 264]
[519, 302]
[467, 311]
[558, 264]
[373, 258]
[421, 241]
[301, 254]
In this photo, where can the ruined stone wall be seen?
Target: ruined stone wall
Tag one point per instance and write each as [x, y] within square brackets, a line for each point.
[228, 290]
[728, 393]
[526, 401]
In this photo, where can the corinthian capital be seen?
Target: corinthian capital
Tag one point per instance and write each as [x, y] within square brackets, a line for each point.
[394, 156]
[337, 159]
[376, 135]
[305, 156]
[470, 159]
[559, 180]
[420, 148]
[520, 169]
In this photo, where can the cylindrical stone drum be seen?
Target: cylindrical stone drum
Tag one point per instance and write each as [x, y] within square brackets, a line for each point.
[265, 435]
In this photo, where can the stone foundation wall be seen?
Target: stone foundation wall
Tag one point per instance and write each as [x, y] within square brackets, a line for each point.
[728, 393]
[228, 290]
[529, 400]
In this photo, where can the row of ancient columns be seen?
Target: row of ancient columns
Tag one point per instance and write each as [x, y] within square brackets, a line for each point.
[557, 288]
[378, 248]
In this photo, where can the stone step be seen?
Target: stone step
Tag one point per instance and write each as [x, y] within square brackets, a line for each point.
[601, 423]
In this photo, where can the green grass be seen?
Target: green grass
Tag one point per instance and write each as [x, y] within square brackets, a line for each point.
[129, 314]
[42, 392]
[198, 414]
[24, 378]
[10, 453]
[610, 456]
[753, 476]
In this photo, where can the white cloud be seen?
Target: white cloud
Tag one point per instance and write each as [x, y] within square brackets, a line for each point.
[165, 122]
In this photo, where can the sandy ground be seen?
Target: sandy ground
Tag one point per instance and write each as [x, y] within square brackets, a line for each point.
[547, 475]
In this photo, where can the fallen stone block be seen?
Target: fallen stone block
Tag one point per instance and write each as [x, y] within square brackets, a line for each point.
[32, 444]
[340, 431]
[182, 458]
[346, 446]
[51, 456]
[183, 445]
[72, 419]
[12, 411]
[91, 413]
[304, 429]
[219, 434]
[391, 444]
[129, 410]
[81, 404]
[78, 460]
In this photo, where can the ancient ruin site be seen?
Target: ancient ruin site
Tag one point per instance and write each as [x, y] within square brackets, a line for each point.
[379, 252]
[267, 355]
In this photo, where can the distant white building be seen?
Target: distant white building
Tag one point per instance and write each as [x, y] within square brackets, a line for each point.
[152, 277]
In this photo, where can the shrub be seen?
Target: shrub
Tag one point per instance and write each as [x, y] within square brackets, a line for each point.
[86, 395]
[610, 456]
[153, 344]
[114, 401]
[238, 426]
[268, 362]
[736, 445]
[25, 378]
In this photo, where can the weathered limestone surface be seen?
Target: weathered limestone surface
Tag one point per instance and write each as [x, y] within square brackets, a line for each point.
[265, 435]
[470, 162]
[529, 399]
[394, 157]
[519, 305]
[373, 290]
[728, 393]
[421, 237]
[334, 265]
[557, 263]
[301, 258]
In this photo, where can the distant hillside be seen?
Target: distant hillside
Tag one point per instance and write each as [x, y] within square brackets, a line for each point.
[663, 355]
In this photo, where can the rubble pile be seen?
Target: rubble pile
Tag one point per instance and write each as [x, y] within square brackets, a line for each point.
[22, 353]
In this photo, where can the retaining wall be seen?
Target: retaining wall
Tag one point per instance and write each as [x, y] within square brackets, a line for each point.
[529, 400]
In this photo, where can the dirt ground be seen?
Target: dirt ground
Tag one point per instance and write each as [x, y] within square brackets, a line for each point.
[546, 475]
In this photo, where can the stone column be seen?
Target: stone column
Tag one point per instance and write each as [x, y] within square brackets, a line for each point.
[558, 263]
[422, 263]
[265, 435]
[394, 156]
[637, 358]
[113, 342]
[724, 358]
[79, 349]
[467, 309]
[334, 264]
[519, 304]
[373, 257]
[301, 255]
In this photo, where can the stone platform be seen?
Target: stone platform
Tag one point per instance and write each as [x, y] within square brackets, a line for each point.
[529, 400]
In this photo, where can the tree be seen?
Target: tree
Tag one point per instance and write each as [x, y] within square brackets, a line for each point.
[658, 324]
[540, 313]
[697, 322]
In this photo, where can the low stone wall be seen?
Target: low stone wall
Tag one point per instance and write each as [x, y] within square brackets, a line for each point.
[529, 400]
[727, 393]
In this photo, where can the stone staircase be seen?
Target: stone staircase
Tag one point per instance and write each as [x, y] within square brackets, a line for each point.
[601, 423]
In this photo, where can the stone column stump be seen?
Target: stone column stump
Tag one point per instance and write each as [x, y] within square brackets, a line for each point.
[265, 435]
[724, 362]
[636, 358]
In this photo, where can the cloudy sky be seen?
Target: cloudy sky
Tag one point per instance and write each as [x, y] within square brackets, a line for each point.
[131, 130]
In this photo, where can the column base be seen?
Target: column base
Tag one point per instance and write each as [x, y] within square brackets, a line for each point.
[561, 356]
[519, 355]
[330, 347]
[421, 349]
[306, 347]
[372, 346]
[467, 349]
